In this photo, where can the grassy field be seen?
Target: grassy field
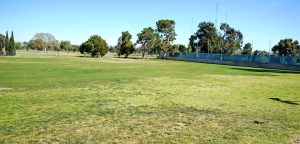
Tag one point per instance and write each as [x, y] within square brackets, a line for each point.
[72, 99]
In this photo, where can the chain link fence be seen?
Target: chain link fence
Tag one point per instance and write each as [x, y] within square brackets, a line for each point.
[284, 60]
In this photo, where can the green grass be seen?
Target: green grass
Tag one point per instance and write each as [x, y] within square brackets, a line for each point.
[110, 100]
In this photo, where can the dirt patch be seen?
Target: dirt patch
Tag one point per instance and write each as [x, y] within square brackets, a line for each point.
[295, 140]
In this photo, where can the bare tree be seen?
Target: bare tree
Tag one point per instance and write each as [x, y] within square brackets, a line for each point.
[49, 39]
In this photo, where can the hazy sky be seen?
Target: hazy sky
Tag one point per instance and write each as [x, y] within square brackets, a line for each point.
[259, 20]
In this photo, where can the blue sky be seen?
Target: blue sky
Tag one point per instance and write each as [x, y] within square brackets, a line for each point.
[259, 20]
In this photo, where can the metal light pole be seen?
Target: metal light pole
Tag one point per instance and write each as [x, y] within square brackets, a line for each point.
[270, 51]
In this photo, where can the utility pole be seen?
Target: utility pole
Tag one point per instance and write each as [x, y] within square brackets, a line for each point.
[216, 22]
[251, 52]
[217, 9]
[192, 26]
[221, 50]
[208, 49]
[191, 33]
[270, 51]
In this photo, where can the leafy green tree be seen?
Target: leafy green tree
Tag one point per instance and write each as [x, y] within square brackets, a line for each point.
[126, 44]
[18, 45]
[37, 44]
[232, 39]
[66, 45]
[2, 44]
[182, 49]
[208, 40]
[247, 49]
[111, 49]
[95, 46]
[74, 48]
[25, 45]
[207, 37]
[11, 46]
[148, 40]
[86, 47]
[287, 47]
[100, 46]
[192, 43]
[118, 47]
[6, 43]
[157, 45]
[166, 28]
[175, 48]
[261, 53]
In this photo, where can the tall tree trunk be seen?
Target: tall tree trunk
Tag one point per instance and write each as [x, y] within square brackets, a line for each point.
[143, 55]
[144, 50]
[162, 54]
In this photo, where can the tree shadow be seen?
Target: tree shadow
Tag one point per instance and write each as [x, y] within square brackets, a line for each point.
[136, 58]
[126, 58]
[87, 56]
[286, 102]
[267, 70]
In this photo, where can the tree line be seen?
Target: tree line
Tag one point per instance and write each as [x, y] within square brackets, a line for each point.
[230, 41]
[46, 42]
[7, 45]
[150, 41]
[159, 40]
[40, 42]
[207, 39]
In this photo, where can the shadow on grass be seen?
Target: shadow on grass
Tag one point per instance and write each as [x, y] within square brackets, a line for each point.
[127, 58]
[135, 58]
[286, 102]
[87, 56]
[267, 70]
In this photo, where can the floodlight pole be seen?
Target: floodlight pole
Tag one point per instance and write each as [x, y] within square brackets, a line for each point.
[270, 51]
[217, 9]
[251, 53]
[221, 53]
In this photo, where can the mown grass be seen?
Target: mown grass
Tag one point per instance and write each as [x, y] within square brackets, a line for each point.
[111, 100]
